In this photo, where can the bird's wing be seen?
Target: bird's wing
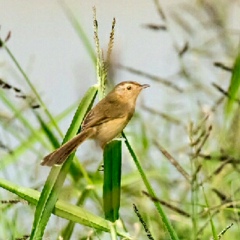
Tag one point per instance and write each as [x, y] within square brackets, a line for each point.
[104, 111]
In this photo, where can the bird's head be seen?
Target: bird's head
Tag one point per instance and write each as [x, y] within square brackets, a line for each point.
[128, 91]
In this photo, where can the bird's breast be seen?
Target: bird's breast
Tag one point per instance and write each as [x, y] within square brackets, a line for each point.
[110, 129]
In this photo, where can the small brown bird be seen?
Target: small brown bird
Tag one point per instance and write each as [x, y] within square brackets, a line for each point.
[104, 122]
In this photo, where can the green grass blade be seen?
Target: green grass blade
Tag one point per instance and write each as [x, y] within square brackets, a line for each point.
[61, 209]
[46, 129]
[112, 179]
[28, 143]
[112, 152]
[30, 85]
[147, 184]
[67, 232]
[214, 232]
[58, 174]
[78, 27]
[76, 170]
[18, 114]
[234, 87]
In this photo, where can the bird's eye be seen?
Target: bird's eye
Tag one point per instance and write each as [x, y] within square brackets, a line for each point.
[129, 87]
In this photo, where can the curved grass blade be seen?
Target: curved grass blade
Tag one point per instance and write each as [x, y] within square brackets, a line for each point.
[67, 232]
[58, 174]
[30, 85]
[30, 141]
[24, 121]
[62, 208]
[149, 188]
[76, 170]
[46, 129]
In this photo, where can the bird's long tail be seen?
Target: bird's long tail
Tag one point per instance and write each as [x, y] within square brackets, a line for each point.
[60, 155]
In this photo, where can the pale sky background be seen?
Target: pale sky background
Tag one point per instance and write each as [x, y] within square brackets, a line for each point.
[55, 59]
[50, 51]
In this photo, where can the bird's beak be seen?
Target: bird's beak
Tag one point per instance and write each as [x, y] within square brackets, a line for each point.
[145, 86]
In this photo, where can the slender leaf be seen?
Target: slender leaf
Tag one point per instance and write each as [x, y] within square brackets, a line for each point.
[30, 85]
[62, 209]
[78, 27]
[112, 180]
[234, 87]
[58, 174]
[150, 190]
[30, 141]
[67, 232]
[48, 132]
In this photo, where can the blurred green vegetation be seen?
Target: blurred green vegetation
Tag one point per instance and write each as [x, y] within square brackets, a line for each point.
[186, 147]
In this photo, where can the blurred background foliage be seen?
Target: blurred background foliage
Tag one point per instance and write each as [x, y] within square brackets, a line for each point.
[185, 130]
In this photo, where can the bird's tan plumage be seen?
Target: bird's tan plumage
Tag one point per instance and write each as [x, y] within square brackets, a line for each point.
[104, 122]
